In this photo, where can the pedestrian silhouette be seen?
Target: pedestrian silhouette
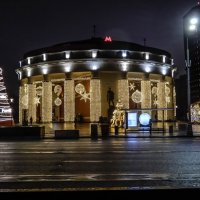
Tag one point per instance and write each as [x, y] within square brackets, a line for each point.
[31, 120]
[110, 97]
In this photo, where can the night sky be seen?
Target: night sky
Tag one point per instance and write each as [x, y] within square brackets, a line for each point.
[31, 24]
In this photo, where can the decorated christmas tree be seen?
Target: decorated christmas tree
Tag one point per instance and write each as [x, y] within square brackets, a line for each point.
[6, 117]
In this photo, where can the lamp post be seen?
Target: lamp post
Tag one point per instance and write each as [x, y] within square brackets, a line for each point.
[188, 65]
[192, 27]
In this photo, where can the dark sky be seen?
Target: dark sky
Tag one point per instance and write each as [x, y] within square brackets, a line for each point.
[31, 24]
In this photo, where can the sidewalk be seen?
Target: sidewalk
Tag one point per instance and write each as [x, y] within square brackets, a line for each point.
[85, 131]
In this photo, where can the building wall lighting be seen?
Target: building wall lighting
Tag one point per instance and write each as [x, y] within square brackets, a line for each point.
[28, 72]
[124, 54]
[29, 60]
[44, 71]
[124, 67]
[164, 59]
[164, 71]
[147, 56]
[44, 57]
[94, 67]
[94, 54]
[67, 68]
[67, 55]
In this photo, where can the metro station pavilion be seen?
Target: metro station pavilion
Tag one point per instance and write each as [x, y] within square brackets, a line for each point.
[59, 81]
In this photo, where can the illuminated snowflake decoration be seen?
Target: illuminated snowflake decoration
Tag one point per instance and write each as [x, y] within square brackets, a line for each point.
[155, 102]
[132, 86]
[85, 96]
[136, 96]
[80, 89]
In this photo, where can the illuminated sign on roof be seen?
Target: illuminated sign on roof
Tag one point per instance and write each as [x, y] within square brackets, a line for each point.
[107, 39]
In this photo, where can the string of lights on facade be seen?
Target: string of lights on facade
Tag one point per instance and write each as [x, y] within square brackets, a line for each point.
[61, 81]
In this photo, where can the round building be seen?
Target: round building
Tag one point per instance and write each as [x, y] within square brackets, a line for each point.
[60, 82]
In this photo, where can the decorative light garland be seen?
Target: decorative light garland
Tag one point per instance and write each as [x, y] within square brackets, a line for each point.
[69, 101]
[31, 102]
[123, 93]
[95, 100]
[146, 94]
[47, 102]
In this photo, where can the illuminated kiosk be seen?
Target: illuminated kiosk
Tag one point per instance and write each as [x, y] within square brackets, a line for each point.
[60, 82]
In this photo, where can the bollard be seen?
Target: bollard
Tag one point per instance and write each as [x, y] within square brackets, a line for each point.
[94, 131]
[116, 130]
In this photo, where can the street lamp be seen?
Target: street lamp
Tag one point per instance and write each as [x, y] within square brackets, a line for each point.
[192, 27]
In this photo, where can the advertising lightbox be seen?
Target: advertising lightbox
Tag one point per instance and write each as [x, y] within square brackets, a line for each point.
[132, 119]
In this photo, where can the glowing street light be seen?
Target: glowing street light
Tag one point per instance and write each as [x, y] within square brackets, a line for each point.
[192, 27]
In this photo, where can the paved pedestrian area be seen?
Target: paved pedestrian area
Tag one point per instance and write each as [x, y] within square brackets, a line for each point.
[158, 130]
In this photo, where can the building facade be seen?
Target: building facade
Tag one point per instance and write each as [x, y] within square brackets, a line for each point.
[58, 83]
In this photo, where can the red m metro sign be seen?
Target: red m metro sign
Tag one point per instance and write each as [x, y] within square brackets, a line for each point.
[107, 39]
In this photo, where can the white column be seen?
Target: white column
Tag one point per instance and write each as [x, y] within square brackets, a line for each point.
[47, 102]
[95, 100]
[31, 103]
[161, 99]
[123, 93]
[69, 101]
[174, 101]
[146, 94]
[20, 103]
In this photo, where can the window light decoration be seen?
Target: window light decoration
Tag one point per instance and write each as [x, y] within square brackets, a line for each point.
[136, 96]
[58, 91]
[80, 89]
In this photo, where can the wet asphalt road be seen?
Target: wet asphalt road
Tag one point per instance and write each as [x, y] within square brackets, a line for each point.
[112, 164]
